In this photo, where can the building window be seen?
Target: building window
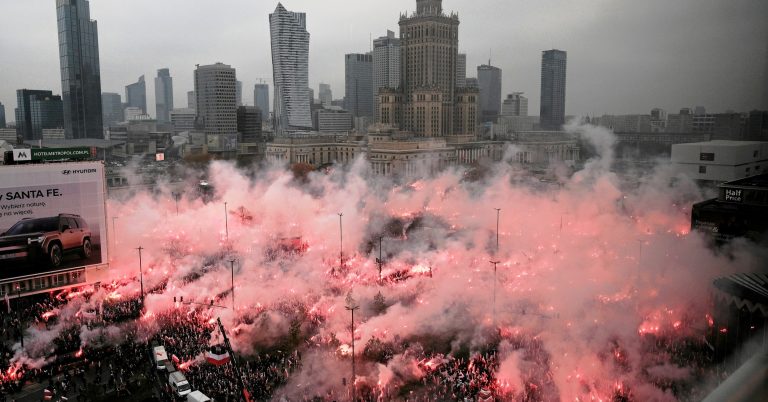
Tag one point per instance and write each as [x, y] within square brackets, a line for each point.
[707, 156]
[702, 169]
[754, 154]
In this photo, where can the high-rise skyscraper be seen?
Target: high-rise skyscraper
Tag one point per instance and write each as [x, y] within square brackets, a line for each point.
[24, 111]
[427, 102]
[515, 105]
[111, 108]
[553, 69]
[290, 70]
[461, 70]
[249, 123]
[191, 100]
[80, 70]
[386, 65]
[163, 95]
[489, 80]
[239, 93]
[261, 99]
[37, 110]
[325, 94]
[765, 80]
[215, 88]
[136, 95]
[47, 112]
[2, 115]
[358, 84]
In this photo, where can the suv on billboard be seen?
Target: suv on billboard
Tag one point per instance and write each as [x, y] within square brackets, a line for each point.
[46, 239]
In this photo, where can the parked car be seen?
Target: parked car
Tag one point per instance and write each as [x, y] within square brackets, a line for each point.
[46, 240]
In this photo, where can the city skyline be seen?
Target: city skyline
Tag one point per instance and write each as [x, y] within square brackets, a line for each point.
[674, 65]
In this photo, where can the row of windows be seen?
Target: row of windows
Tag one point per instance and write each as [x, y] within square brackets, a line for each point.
[41, 283]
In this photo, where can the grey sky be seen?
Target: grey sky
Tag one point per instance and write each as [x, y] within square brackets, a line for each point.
[623, 56]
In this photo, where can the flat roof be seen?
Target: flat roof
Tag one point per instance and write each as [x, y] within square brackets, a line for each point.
[80, 142]
[724, 143]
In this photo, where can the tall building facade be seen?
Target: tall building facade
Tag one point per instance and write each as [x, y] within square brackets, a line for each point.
[2, 115]
[239, 93]
[191, 100]
[326, 95]
[515, 105]
[215, 89]
[290, 70]
[261, 99]
[24, 111]
[427, 102]
[111, 108]
[136, 95]
[489, 80]
[358, 84]
[386, 65]
[163, 95]
[183, 120]
[249, 123]
[47, 113]
[461, 70]
[80, 69]
[553, 71]
[37, 110]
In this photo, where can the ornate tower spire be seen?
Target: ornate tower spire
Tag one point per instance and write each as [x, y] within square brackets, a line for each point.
[429, 7]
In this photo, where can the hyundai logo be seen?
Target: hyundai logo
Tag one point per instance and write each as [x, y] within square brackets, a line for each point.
[66, 172]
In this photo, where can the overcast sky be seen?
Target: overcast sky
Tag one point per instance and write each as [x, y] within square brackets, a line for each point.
[623, 56]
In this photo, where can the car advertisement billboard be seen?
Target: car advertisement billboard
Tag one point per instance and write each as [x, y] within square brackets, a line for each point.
[52, 217]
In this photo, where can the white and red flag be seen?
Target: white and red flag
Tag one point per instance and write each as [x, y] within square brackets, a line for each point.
[217, 355]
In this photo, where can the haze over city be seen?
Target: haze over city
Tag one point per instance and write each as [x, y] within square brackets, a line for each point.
[624, 56]
[383, 201]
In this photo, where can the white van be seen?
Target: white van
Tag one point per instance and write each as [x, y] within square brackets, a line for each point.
[160, 356]
[198, 396]
[179, 383]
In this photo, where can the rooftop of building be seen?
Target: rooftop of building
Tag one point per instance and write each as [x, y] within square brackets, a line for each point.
[724, 143]
[74, 143]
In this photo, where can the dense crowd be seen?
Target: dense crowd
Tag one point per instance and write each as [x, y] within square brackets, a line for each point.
[123, 367]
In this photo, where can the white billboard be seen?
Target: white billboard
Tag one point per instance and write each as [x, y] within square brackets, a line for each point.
[52, 216]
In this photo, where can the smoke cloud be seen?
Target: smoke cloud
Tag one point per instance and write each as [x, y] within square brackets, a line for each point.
[589, 270]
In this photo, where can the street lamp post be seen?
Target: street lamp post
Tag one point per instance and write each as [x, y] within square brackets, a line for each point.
[498, 212]
[114, 231]
[141, 273]
[177, 197]
[232, 266]
[341, 242]
[226, 221]
[495, 263]
[352, 306]
[379, 260]
[18, 315]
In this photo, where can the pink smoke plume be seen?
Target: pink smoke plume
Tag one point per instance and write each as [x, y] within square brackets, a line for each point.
[587, 270]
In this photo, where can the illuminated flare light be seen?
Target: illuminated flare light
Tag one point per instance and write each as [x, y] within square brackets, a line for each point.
[79, 353]
[115, 295]
[421, 269]
[185, 365]
[345, 350]
[148, 315]
[49, 314]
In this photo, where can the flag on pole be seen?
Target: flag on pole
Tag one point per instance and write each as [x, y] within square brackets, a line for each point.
[485, 395]
[217, 355]
[47, 394]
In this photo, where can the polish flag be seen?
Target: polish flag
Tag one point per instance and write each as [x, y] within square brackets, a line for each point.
[47, 394]
[484, 395]
[217, 355]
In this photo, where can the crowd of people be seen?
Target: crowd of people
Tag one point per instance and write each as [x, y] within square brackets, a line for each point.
[124, 366]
